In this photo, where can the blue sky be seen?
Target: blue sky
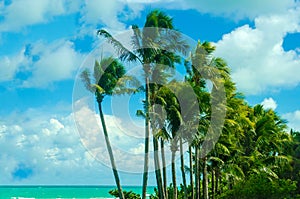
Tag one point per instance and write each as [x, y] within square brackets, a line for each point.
[44, 43]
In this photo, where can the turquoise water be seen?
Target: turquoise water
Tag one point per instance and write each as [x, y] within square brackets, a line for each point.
[62, 192]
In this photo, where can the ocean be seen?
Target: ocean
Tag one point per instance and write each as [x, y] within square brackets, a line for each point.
[63, 192]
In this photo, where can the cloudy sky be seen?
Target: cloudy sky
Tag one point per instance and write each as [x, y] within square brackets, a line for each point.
[43, 44]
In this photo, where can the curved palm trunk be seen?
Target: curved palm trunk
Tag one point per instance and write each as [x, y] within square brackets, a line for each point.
[174, 175]
[197, 173]
[182, 169]
[147, 134]
[157, 169]
[217, 182]
[159, 181]
[220, 183]
[205, 179]
[191, 171]
[213, 183]
[110, 152]
[163, 157]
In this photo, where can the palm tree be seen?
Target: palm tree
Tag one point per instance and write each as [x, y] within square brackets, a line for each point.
[106, 75]
[150, 46]
[202, 65]
[171, 105]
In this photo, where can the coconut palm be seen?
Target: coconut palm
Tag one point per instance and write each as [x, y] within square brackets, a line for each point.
[152, 45]
[106, 75]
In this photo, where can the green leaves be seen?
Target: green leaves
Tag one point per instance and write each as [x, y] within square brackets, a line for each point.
[124, 53]
[109, 78]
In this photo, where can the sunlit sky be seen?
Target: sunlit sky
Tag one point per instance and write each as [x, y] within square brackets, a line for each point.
[43, 44]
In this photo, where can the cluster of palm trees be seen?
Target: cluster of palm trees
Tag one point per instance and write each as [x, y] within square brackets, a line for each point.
[251, 140]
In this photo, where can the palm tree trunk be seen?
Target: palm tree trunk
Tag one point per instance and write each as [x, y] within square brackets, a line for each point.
[157, 169]
[174, 175]
[220, 182]
[110, 152]
[213, 183]
[205, 179]
[191, 172]
[217, 181]
[182, 168]
[163, 157]
[147, 134]
[197, 173]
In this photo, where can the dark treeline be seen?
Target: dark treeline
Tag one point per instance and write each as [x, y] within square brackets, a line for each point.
[255, 156]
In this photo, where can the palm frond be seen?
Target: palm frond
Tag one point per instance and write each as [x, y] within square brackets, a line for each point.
[85, 77]
[140, 113]
[124, 53]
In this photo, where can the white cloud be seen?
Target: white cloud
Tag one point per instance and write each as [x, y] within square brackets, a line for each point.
[54, 158]
[256, 56]
[109, 14]
[49, 144]
[58, 61]
[293, 119]
[105, 12]
[233, 9]
[139, 149]
[57, 125]
[22, 13]
[9, 65]
[269, 103]
[122, 142]
[55, 62]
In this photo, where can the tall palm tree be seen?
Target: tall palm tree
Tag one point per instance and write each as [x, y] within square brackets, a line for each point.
[171, 105]
[180, 104]
[150, 47]
[200, 66]
[106, 75]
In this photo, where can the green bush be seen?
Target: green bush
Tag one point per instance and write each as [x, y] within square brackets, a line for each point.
[127, 194]
[262, 187]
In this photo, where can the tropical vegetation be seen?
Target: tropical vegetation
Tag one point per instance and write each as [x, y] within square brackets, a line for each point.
[255, 156]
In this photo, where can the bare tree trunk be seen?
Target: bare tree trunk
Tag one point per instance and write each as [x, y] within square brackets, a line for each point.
[147, 134]
[157, 169]
[197, 173]
[191, 172]
[213, 183]
[200, 172]
[110, 152]
[205, 179]
[217, 181]
[174, 175]
[163, 157]
[182, 169]
[220, 182]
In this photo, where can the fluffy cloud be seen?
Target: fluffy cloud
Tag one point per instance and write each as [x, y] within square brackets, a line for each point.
[93, 12]
[109, 14]
[9, 65]
[22, 13]
[41, 64]
[48, 148]
[293, 119]
[57, 61]
[234, 9]
[256, 56]
[104, 12]
[26, 146]
[269, 103]
[127, 149]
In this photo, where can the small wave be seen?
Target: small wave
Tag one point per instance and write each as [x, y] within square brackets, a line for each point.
[20, 198]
